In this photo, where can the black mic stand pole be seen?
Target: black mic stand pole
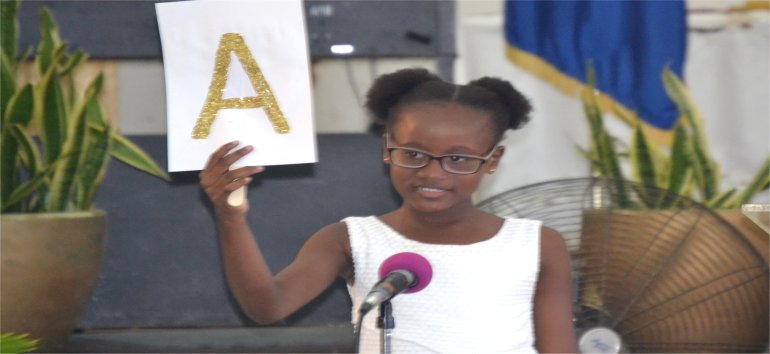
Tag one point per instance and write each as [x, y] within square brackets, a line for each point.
[386, 323]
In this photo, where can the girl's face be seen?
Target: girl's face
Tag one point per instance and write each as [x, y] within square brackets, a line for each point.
[440, 129]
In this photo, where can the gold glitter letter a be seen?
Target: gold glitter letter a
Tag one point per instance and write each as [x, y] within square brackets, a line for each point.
[233, 42]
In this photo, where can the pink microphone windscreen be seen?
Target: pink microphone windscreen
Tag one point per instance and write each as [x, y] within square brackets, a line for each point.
[412, 262]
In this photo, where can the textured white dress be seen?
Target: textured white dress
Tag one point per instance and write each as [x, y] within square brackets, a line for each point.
[479, 300]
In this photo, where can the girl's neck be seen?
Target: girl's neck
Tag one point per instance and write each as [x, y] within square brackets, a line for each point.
[457, 226]
[457, 215]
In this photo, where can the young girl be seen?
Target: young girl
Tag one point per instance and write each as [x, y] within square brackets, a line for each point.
[499, 285]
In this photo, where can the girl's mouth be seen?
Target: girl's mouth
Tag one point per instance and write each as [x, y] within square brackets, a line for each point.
[431, 191]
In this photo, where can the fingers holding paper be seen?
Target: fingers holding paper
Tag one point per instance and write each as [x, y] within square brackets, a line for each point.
[218, 180]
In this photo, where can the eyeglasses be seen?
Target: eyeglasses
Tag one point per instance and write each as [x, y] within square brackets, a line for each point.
[455, 163]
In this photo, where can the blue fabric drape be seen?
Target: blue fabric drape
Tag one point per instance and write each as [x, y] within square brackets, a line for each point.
[627, 42]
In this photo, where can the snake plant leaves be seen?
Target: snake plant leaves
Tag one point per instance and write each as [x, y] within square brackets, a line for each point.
[679, 173]
[30, 158]
[96, 157]
[63, 167]
[64, 178]
[132, 155]
[643, 166]
[94, 166]
[602, 144]
[10, 27]
[51, 115]
[687, 170]
[50, 43]
[19, 112]
[706, 170]
[27, 151]
[7, 82]
[759, 182]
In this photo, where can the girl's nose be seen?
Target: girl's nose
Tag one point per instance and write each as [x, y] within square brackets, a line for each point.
[432, 169]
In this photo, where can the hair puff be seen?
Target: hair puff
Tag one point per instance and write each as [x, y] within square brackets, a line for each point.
[388, 89]
[516, 105]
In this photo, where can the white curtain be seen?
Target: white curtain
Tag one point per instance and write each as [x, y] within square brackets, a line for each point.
[728, 74]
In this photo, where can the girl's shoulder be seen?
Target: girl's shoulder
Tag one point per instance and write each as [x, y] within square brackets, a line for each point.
[331, 242]
[553, 248]
[335, 232]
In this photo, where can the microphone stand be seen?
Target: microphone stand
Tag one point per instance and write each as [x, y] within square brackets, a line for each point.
[386, 322]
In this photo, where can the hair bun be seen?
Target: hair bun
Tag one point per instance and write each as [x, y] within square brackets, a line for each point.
[389, 88]
[517, 106]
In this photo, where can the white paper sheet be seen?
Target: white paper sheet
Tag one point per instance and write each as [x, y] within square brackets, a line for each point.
[274, 33]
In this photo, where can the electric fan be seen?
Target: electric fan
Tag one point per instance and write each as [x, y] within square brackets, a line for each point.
[670, 278]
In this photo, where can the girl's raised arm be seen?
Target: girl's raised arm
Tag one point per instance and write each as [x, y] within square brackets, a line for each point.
[263, 297]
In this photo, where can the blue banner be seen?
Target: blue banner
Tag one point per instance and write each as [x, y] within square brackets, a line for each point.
[628, 43]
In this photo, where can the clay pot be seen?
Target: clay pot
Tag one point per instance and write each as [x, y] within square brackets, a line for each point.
[49, 265]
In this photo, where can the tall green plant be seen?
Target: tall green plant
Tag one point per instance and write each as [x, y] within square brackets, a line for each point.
[685, 168]
[62, 168]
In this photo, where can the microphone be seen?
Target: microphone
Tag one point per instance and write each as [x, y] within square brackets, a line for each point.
[402, 272]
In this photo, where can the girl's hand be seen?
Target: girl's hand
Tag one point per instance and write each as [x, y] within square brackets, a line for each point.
[218, 181]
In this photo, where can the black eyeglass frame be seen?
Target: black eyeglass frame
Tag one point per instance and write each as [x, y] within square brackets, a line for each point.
[440, 158]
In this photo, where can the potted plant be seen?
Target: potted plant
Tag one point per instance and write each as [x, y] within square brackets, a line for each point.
[686, 168]
[56, 145]
[659, 177]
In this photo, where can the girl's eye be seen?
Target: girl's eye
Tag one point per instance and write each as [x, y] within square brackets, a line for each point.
[415, 154]
[457, 159]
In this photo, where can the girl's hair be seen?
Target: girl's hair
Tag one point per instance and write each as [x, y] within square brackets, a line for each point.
[507, 107]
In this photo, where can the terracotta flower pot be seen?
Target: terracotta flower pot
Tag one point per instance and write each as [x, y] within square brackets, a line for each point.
[49, 265]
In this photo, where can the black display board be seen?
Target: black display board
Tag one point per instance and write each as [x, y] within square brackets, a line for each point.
[162, 266]
[128, 29]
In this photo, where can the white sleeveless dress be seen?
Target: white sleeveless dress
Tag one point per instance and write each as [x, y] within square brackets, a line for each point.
[479, 300]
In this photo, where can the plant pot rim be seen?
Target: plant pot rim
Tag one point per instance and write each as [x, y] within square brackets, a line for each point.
[59, 215]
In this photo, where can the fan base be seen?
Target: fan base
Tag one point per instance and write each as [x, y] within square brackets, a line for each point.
[600, 340]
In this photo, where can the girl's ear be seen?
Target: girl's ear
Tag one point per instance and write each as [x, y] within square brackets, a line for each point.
[494, 160]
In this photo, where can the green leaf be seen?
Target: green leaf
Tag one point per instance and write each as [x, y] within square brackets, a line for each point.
[719, 201]
[19, 112]
[9, 27]
[28, 153]
[95, 115]
[132, 155]
[73, 62]
[759, 182]
[20, 107]
[22, 192]
[706, 170]
[642, 163]
[680, 160]
[65, 176]
[17, 343]
[7, 81]
[94, 163]
[95, 166]
[51, 116]
[602, 144]
[50, 43]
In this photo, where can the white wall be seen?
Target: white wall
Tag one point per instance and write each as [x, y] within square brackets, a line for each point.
[727, 71]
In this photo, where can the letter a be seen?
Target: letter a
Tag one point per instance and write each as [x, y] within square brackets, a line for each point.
[233, 42]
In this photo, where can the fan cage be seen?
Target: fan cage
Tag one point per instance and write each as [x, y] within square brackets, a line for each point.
[671, 277]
